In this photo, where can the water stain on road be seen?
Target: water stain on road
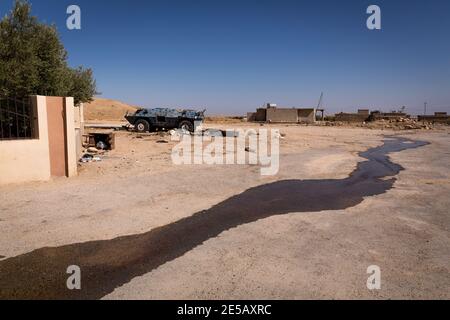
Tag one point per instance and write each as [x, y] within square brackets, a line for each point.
[108, 264]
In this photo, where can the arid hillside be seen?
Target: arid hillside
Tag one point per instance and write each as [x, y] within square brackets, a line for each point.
[106, 109]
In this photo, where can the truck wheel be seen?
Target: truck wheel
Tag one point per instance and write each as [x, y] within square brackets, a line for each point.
[142, 126]
[186, 125]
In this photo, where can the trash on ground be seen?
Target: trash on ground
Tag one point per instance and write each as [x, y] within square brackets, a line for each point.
[90, 158]
[220, 133]
[178, 133]
[92, 150]
[101, 145]
[106, 139]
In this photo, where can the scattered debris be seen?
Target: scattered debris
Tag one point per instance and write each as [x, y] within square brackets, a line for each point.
[92, 150]
[101, 145]
[108, 140]
[393, 124]
[280, 135]
[398, 124]
[90, 158]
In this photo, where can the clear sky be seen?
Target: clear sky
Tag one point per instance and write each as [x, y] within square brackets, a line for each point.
[232, 56]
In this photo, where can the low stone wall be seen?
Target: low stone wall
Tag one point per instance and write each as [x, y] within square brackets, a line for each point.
[435, 119]
[351, 117]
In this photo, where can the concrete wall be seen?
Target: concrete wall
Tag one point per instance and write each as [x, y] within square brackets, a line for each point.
[261, 115]
[251, 116]
[30, 160]
[27, 160]
[276, 115]
[435, 119]
[306, 115]
[389, 115]
[351, 117]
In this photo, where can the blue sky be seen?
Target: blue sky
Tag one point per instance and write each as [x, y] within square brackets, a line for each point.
[232, 56]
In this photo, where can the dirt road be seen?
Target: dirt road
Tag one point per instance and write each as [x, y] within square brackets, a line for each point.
[319, 248]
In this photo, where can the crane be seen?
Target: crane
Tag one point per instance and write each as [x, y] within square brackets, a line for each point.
[319, 106]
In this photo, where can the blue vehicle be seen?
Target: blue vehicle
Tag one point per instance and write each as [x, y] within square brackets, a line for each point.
[149, 120]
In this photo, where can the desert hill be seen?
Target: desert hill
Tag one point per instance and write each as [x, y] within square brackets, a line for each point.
[106, 109]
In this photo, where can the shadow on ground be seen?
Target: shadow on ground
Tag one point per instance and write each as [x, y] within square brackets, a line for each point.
[106, 265]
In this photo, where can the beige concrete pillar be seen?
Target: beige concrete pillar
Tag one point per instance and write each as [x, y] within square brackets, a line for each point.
[71, 142]
[79, 128]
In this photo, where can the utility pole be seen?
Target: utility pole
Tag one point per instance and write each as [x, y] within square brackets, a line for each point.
[425, 109]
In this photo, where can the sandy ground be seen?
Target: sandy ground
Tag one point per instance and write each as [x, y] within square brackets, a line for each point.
[136, 188]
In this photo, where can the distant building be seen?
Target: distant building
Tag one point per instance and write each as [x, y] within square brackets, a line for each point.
[273, 114]
[361, 116]
[377, 115]
[439, 117]
[364, 115]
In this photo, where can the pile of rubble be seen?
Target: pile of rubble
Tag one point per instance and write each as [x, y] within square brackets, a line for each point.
[399, 124]
[93, 154]
[395, 124]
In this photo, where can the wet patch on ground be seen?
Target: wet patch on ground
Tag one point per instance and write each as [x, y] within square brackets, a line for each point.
[106, 265]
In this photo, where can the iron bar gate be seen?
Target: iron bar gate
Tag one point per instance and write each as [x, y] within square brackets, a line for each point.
[16, 119]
